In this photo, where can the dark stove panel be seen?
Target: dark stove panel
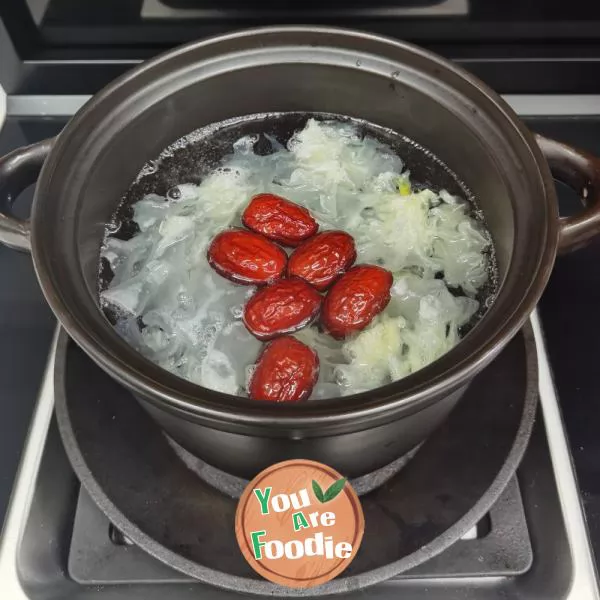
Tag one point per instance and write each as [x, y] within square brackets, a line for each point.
[99, 554]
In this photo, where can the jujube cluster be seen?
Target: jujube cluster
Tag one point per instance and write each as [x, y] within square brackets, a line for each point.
[290, 296]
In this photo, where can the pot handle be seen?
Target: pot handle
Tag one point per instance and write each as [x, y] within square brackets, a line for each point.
[581, 172]
[19, 169]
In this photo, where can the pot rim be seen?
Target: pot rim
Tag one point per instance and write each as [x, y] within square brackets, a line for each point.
[192, 401]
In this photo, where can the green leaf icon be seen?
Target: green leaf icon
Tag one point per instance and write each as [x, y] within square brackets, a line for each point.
[318, 491]
[334, 489]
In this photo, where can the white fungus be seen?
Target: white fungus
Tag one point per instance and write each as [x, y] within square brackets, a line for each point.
[192, 317]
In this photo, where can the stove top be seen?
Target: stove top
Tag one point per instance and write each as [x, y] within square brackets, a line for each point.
[534, 542]
[444, 490]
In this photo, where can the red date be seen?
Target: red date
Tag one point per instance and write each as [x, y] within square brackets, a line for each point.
[355, 300]
[283, 307]
[279, 219]
[323, 258]
[286, 371]
[246, 257]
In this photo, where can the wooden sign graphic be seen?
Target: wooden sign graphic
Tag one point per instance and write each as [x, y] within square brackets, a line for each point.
[299, 523]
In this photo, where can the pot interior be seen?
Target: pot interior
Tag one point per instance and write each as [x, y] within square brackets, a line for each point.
[391, 85]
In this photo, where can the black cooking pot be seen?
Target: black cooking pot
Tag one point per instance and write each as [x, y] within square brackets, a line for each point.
[86, 170]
